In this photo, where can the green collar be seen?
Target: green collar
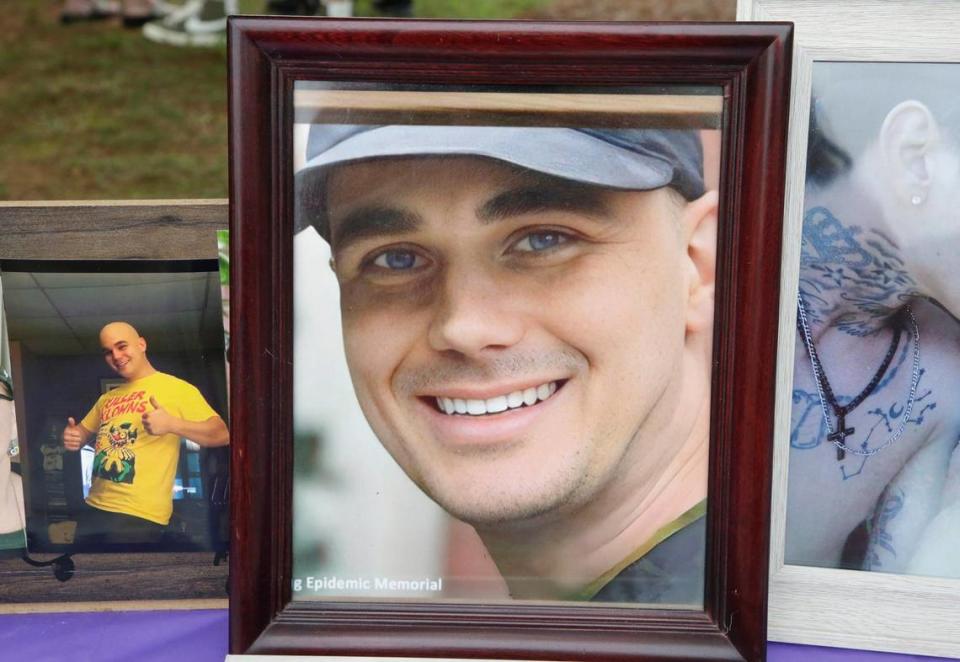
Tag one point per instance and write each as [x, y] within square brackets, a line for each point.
[662, 534]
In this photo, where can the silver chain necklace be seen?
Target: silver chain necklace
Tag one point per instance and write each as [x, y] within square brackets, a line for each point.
[819, 376]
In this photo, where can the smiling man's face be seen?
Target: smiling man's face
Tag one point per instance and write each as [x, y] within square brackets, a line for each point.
[123, 350]
[515, 340]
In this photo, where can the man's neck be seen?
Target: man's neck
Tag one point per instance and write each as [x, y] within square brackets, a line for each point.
[146, 372]
[853, 276]
[559, 559]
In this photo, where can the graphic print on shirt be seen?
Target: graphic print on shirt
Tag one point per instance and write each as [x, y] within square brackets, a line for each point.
[115, 457]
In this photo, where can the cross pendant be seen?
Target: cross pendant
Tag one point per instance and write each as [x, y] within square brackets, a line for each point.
[841, 435]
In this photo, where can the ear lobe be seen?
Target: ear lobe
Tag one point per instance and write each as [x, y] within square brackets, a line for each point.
[908, 138]
[700, 224]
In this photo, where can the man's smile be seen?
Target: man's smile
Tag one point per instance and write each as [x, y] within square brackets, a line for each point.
[498, 403]
[502, 418]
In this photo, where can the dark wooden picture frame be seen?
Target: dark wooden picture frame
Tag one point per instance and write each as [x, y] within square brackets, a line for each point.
[751, 65]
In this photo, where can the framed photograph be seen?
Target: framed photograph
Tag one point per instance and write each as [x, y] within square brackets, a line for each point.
[507, 293]
[121, 405]
[866, 492]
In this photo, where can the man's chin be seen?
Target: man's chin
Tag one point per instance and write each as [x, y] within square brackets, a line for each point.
[507, 512]
[504, 486]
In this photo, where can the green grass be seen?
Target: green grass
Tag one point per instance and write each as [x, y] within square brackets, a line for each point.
[93, 111]
[99, 112]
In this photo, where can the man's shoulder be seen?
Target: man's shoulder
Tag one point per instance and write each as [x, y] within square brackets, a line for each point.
[172, 381]
[936, 357]
[169, 386]
[670, 573]
[939, 330]
[939, 353]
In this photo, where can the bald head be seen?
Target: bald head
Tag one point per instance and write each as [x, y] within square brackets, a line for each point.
[125, 350]
[119, 328]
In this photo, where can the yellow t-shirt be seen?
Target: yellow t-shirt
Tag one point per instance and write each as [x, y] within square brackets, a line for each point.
[133, 471]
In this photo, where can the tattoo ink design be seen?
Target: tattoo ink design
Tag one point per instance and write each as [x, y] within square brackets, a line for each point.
[855, 473]
[891, 505]
[806, 407]
[856, 279]
[846, 267]
[806, 410]
[895, 411]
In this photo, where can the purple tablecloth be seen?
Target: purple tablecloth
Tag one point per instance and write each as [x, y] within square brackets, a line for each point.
[127, 636]
[201, 636]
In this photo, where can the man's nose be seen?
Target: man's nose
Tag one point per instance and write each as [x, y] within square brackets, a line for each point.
[475, 311]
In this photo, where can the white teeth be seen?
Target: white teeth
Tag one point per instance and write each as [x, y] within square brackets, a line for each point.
[476, 407]
[498, 403]
[529, 396]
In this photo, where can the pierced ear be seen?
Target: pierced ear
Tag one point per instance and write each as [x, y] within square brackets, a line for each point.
[908, 138]
[700, 223]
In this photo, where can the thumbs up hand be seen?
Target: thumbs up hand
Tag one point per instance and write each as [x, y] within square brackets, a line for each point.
[159, 421]
[73, 435]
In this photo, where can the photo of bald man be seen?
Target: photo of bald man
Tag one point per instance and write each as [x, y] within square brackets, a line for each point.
[137, 428]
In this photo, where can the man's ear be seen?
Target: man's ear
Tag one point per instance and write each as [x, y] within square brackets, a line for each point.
[142, 343]
[699, 220]
[908, 138]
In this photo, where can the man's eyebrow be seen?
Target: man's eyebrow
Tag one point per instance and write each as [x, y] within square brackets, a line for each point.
[546, 197]
[372, 222]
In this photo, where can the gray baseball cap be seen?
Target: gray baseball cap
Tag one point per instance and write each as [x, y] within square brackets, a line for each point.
[628, 159]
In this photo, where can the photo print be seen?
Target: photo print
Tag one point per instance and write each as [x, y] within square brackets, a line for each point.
[874, 468]
[120, 375]
[482, 406]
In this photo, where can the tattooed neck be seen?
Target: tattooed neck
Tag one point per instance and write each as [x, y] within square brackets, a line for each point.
[852, 278]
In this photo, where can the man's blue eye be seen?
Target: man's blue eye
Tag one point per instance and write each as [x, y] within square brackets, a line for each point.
[396, 260]
[540, 241]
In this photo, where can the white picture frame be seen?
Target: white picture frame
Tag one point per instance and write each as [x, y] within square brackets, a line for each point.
[822, 606]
